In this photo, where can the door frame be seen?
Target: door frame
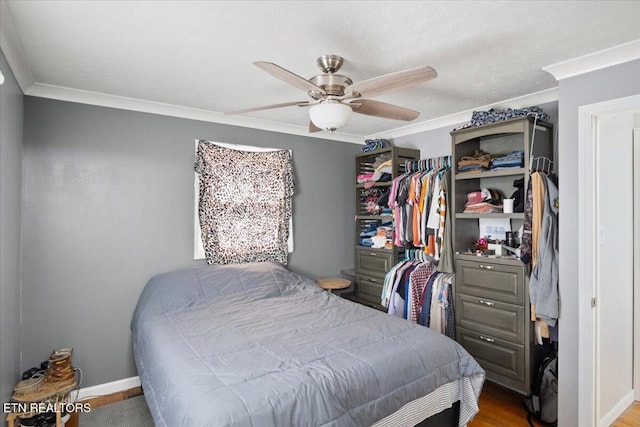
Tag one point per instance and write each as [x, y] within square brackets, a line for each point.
[636, 263]
[587, 263]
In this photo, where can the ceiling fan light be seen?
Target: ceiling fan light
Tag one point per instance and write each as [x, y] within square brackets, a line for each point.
[330, 115]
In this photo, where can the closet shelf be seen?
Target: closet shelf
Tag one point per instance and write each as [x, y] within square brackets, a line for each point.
[368, 248]
[491, 174]
[378, 217]
[515, 215]
[377, 184]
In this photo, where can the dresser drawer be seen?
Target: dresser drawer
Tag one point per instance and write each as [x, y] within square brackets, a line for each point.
[493, 318]
[501, 359]
[373, 263]
[496, 282]
[369, 288]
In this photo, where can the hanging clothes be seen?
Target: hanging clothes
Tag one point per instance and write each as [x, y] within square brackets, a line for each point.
[538, 195]
[416, 291]
[418, 199]
[539, 251]
[437, 305]
[417, 283]
[543, 285]
[525, 245]
[445, 263]
[397, 289]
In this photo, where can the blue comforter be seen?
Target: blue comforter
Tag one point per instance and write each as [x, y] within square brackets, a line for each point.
[258, 345]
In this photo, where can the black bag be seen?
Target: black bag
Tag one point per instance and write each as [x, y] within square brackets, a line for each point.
[542, 404]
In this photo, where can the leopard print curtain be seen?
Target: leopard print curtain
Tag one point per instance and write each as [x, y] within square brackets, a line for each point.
[245, 204]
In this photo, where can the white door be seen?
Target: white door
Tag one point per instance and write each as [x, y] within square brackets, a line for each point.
[614, 269]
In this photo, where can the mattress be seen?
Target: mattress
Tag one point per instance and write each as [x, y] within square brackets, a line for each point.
[258, 345]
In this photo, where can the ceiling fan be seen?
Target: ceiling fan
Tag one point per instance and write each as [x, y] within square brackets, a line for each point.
[334, 97]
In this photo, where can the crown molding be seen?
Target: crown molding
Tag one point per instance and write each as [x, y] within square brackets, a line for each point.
[12, 49]
[537, 98]
[594, 61]
[134, 104]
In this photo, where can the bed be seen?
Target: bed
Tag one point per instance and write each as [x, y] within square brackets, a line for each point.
[258, 345]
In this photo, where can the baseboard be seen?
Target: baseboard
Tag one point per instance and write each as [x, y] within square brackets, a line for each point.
[108, 388]
[617, 410]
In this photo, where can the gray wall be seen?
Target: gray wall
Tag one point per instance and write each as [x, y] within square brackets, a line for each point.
[108, 203]
[431, 143]
[10, 192]
[598, 86]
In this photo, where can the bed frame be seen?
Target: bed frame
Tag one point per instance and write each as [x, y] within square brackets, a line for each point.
[447, 418]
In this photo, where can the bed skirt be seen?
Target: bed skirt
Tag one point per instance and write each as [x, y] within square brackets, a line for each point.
[439, 400]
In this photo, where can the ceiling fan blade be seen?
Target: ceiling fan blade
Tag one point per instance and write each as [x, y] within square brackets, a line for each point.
[289, 77]
[269, 107]
[313, 128]
[390, 82]
[370, 107]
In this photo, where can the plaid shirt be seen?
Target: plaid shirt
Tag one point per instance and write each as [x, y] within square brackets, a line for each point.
[417, 283]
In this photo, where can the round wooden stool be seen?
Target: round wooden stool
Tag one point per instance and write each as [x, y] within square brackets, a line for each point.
[331, 283]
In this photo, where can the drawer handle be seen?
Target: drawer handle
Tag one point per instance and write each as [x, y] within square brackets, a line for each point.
[487, 267]
[487, 339]
[489, 303]
[372, 253]
[373, 280]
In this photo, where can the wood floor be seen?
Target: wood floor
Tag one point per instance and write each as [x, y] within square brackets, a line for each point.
[498, 408]
[630, 418]
[503, 408]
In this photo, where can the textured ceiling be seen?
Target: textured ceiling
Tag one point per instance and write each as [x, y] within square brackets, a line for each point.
[199, 54]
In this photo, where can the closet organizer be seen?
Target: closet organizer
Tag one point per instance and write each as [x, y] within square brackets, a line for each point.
[375, 225]
[492, 292]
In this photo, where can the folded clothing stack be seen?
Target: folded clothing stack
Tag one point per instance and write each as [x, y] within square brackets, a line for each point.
[364, 177]
[383, 238]
[479, 118]
[480, 161]
[382, 170]
[377, 235]
[375, 144]
[483, 201]
[513, 159]
[376, 201]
